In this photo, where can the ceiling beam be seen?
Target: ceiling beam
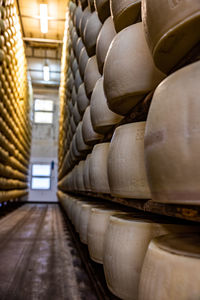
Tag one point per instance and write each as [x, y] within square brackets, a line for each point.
[38, 18]
[39, 40]
[50, 85]
[43, 57]
[41, 71]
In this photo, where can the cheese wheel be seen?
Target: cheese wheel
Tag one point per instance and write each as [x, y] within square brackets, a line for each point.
[76, 114]
[98, 169]
[83, 60]
[90, 137]
[78, 81]
[103, 9]
[91, 32]
[125, 245]
[79, 47]
[80, 144]
[97, 226]
[171, 29]
[75, 151]
[105, 37]
[91, 76]
[134, 75]
[86, 174]
[171, 268]
[74, 96]
[82, 99]
[101, 116]
[77, 17]
[126, 169]
[72, 124]
[80, 182]
[74, 67]
[125, 12]
[171, 148]
[86, 14]
[84, 219]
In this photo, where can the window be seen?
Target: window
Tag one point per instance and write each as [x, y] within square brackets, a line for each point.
[43, 111]
[41, 177]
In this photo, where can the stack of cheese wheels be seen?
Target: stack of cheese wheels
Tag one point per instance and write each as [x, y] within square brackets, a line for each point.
[171, 36]
[98, 169]
[97, 226]
[171, 139]
[126, 169]
[134, 75]
[15, 129]
[125, 12]
[126, 242]
[171, 268]
[79, 76]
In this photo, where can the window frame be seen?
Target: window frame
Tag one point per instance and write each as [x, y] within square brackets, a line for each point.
[43, 111]
[49, 177]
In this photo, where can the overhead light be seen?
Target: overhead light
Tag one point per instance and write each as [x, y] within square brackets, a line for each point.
[44, 18]
[46, 73]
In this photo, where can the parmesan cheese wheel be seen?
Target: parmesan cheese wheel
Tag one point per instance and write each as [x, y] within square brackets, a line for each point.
[90, 137]
[126, 242]
[79, 47]
[77, 17]
[97, 226]
[126, 169]
[80, 144]
[86, 174]
[171, 29]
[172, 138]
[125, 12]
[86, 14]
[84, 220]
[80, 182]
[133, 74]
[82, 99]
[171, 268]
[103, 9]
[101, 116]
[91, 32]
[98, 169]
[91, 75]
[83, 60]
[105, 37]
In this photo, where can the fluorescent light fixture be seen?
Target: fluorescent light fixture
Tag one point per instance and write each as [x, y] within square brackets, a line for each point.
[46, 73]
[44, 18]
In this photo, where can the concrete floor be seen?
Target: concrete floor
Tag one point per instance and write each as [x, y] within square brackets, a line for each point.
[38, 260]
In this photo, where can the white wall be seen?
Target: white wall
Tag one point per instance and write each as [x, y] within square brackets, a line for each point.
[44, 147]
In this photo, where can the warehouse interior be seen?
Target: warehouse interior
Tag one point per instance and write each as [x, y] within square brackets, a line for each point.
[99, 150]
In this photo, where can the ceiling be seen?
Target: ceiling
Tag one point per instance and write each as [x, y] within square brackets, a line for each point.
[42, 49]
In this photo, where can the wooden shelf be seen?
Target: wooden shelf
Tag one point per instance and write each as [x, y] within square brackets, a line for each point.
[186, 212]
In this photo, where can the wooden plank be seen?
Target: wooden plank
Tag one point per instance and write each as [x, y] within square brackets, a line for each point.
[186, 212]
